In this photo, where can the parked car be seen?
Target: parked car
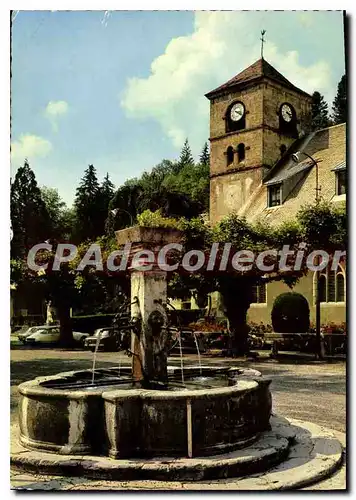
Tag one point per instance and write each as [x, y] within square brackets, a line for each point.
[50, 335]
[22, 336]
[109, 338]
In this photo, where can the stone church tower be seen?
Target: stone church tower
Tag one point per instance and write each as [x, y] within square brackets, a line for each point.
[254, 119]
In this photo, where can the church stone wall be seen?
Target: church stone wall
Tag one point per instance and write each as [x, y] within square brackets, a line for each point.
[253, 142]
[252, 100]
[274, 95]
[229, 193]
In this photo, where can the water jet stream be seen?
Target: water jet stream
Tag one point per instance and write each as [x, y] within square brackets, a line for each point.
[181, 356]
[94, 356]
[198, 351]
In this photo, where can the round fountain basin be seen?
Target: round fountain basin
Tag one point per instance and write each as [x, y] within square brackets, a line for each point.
[215, 411]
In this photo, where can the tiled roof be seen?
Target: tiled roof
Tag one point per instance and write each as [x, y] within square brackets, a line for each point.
[257, 70]
[290, 170]
[340, 166]
[328, 146]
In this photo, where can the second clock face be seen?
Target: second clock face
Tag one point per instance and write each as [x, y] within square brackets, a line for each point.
[287, 112]
[237, 111]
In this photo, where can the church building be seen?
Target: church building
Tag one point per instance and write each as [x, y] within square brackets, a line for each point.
[258, 121]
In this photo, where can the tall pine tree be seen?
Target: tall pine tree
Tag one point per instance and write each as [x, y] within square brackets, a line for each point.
[107, 191]
[339, 109]
[87, 206]
[319, 112]
[29, 217]
[204, 158]
[186, 157]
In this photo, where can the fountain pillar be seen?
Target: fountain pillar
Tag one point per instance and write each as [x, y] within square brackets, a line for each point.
[149, 338]
[150, 333]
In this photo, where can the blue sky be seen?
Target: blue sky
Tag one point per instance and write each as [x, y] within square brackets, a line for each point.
[122, 90]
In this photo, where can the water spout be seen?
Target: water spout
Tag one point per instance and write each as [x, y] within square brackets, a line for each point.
[181, 356]
[94, 356]
[198, 351]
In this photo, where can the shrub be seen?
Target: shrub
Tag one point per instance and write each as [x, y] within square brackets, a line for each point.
[156, 219]
[290, 313]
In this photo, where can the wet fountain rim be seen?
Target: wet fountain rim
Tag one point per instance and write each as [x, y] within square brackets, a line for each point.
[240, 387]
[244, 381]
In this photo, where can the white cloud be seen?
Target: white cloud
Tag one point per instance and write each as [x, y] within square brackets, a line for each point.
[222, 45]
[54, 110]
[29, 146]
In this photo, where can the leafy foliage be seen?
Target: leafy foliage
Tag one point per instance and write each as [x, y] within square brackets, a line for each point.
[156, 219]
[61, 218]
[323, 226]
[30, 219]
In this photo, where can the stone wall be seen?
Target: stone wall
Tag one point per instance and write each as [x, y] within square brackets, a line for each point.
[253, 102]
[231, 192]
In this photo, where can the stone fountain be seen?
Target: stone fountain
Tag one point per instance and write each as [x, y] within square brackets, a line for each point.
[217, 424]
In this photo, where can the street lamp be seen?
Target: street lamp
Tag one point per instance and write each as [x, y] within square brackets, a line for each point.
[319, 351]
[116, 210]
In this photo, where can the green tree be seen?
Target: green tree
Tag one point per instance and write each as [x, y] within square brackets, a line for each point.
[186, 157]
[204, 157]
[106, 193]
[87, 206]
[193, 182]
[123, 207]
[61, 217]
[319, 226]
[339, 109]
[29, 217]
[107, 190]
[319, 112]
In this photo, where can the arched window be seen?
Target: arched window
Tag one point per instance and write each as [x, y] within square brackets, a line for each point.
[240, 152]
[235, 117]
[340, 287]
[230, 155]
[322, 288]
[288, 120]
[331, 286]
[283, 149]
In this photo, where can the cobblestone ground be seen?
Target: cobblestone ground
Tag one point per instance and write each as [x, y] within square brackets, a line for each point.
[301, 388]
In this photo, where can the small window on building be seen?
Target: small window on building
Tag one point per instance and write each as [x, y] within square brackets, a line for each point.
[274, 195]
[230, 156]
[259, 294]
[241, 152]
[341, 182]
[283, 149]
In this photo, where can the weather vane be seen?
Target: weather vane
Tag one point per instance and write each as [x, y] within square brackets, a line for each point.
[263, 32]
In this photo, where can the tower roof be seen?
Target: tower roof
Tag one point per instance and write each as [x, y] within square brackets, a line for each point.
[258, 70]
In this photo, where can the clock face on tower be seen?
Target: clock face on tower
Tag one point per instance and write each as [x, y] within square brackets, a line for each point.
[287, 112]
[237, 112]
